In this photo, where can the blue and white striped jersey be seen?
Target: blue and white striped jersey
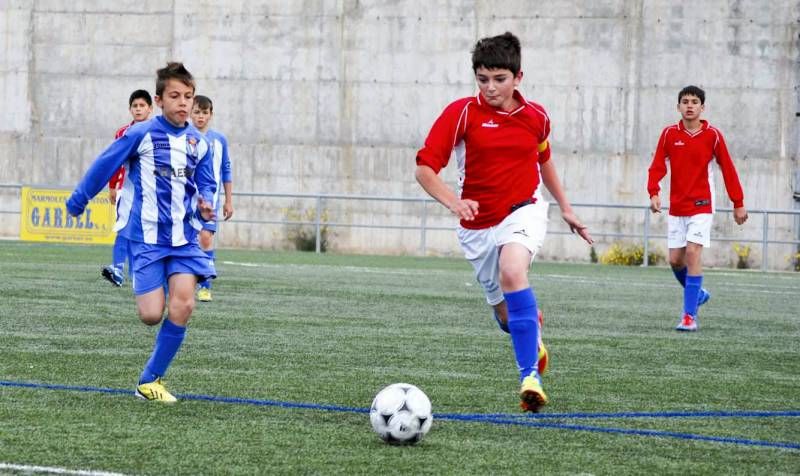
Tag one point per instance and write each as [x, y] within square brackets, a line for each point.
[167, 168]
[222, 163]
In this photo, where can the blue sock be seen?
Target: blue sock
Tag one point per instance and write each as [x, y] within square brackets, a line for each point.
[503, 327]
[168, 341]
[206, 283]
[680, 275]
[690, 294]
[524, 329]
[119, 252]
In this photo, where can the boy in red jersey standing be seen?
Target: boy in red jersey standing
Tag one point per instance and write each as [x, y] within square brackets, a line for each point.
[502, 151]
[690, 145]
[140, 105]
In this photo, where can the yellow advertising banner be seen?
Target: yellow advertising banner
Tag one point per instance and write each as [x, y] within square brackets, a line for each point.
[44, 217]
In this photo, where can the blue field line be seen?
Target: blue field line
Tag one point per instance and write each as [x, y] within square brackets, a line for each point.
[666, 414]
[530, 420]
[623, 431]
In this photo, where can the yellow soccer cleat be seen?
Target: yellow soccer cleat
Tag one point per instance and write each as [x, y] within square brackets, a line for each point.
[544, 359]
[531, 395]
[155, 391]
[204, 295]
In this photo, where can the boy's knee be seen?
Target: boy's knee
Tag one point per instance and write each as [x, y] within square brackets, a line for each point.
[150, 318]
[181, 309]
[513, 278]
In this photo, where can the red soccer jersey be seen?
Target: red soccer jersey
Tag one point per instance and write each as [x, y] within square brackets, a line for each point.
[692, 179]
[498, 153]
[119, 176]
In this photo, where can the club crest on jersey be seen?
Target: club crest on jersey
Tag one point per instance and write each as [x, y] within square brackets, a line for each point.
[191, 146]
[490, 123]
[680, 142]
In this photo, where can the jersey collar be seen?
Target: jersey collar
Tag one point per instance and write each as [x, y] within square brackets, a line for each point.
[168, 126]
[517, 95]
[703, 127]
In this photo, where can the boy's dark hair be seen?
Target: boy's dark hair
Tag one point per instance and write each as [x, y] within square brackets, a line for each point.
[497, 52]
[692, 91]
[203, 102]
[140, 94]
[173, 70]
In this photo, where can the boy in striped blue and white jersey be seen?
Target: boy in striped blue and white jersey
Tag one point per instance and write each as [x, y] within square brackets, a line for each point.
[202, 113]
[170, 183]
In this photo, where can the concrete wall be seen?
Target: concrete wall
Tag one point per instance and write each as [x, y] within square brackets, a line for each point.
[335, 96]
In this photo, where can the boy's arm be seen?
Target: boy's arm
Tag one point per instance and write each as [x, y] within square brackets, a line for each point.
[657, 171]
[731, 178]
[206, 185]
[553, 184]
[227, 181]
[430, 181]
[446, 132]
[227, 208]
[100, 173]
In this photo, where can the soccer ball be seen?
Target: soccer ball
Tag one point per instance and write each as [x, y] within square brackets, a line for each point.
[401, 414]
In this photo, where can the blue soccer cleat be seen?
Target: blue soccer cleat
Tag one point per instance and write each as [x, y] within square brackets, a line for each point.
[113, 275]
[703, 297]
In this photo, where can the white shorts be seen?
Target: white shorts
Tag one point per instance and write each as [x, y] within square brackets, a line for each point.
[526, 226]
[696, 228]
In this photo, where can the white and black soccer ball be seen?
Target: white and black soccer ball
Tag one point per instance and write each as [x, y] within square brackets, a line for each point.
[401, 414]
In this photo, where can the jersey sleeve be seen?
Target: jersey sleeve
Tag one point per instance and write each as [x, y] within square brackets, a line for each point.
[729, 175]
[204, 175]
[100, 172]
[225, 168]
[117, 179]
[544, 142]
[446, 132]
[658, 168]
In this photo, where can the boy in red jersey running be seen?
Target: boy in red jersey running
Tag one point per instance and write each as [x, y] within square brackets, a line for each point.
[690, 145]
[140, 105]
[502, 151]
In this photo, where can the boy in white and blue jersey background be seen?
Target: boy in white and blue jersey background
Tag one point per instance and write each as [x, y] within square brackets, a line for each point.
[202, 113]
[170, 184]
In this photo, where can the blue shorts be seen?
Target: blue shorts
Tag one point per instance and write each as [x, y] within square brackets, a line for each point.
[210, 225]
[154, 264]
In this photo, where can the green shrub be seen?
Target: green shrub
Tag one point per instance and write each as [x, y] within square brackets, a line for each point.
[304, 236]
[624, 254]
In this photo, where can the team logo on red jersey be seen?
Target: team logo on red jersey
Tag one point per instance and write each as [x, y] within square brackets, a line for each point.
[491, 123]
[680, 142]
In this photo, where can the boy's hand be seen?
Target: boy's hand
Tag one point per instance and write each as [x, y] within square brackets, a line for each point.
[465, 209]
[575, 225]
[655, 204]
[740, 215]
[205, 209]
[112, 195]
[227, 211]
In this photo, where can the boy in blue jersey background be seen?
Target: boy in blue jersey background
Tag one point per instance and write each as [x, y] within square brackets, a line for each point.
[202, 113]
[170, 183]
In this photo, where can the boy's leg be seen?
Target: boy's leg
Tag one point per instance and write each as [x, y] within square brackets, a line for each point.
[114, 272]
[207, 245]
[501, 316]
[677, 260]
[183, 266]
[699, 231]
[522, 322]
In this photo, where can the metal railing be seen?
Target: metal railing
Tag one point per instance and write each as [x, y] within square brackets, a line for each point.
[643, 234]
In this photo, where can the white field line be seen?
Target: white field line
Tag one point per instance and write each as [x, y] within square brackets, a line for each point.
[55, 470]
[779, 289]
